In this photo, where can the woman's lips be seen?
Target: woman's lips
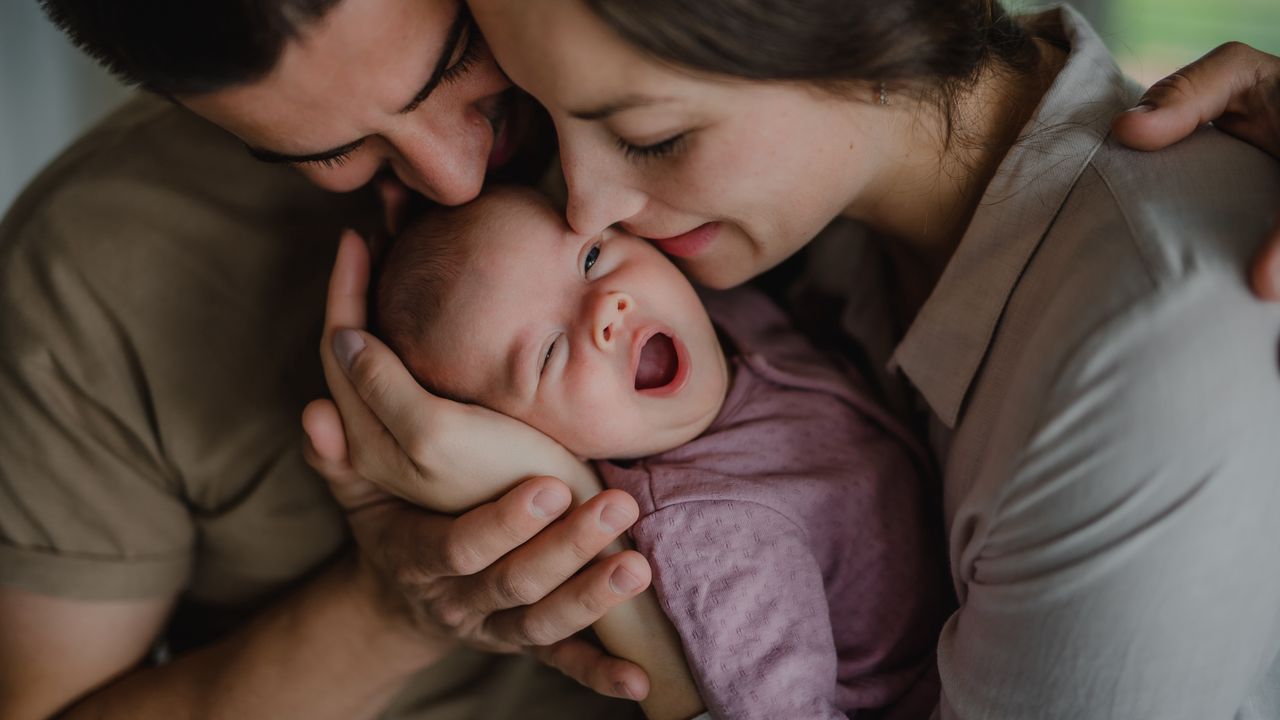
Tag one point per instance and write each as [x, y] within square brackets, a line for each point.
[690, 244]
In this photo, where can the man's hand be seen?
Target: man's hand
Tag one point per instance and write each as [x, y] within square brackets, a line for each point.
[505, 576]
[1236, 88]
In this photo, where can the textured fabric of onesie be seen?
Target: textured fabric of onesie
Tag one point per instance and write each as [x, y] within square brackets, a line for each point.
[791, 544]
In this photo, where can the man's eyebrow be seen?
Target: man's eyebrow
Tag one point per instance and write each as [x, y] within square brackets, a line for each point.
[624, 103]
[461, 23]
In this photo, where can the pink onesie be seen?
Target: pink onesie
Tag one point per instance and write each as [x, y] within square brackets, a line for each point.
[791, 542]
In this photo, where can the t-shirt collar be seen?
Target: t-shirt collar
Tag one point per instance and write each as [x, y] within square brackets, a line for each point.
[946, 343]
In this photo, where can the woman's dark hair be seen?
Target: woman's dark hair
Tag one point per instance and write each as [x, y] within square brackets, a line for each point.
[182, 47]
[934, 46]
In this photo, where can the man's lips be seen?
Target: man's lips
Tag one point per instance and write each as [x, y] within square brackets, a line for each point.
[504, 143]
[689, 244]
[502, 115]
[671, 380]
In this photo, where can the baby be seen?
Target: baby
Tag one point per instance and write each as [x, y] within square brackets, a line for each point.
[780, 507]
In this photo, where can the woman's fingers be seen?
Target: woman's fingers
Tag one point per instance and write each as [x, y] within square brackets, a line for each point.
[1234, 86]
[594, 668]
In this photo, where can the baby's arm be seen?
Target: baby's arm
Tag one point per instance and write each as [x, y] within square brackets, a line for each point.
[493, 453]
[637, 630]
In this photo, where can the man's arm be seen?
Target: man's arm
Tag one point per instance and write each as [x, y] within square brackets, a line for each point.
[1235, 87]
[81, 658]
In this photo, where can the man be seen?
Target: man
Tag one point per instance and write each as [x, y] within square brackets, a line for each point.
[160, 315]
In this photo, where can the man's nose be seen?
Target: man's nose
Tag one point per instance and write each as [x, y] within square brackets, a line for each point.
[446, 167]
[608, 310]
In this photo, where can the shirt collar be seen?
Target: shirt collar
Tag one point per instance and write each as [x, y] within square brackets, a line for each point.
[946, 343]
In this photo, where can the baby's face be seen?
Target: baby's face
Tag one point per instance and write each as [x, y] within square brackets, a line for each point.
[599, 342]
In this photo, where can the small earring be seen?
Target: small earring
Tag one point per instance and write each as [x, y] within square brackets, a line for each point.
[884, 95]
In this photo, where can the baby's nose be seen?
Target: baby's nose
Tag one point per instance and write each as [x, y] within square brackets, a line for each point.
[610, 308]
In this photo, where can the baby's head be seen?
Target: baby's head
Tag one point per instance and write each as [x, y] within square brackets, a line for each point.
[599, 342]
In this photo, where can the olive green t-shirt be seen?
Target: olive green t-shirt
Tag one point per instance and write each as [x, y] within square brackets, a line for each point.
[161, 303]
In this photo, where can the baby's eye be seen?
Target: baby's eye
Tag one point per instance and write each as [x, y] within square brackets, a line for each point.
[592, 255]
[547, 358]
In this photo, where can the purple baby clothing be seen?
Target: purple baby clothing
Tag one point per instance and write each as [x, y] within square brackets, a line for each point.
[790, 542]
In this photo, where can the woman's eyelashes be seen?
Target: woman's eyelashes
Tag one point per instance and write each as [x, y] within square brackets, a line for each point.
[654, 151]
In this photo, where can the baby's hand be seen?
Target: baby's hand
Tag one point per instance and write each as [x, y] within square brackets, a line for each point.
[438, 453]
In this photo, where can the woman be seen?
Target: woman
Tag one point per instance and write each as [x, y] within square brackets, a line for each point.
[1106, 538]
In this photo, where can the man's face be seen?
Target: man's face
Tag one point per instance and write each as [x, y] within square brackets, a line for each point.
[599, 342]
[404, 85]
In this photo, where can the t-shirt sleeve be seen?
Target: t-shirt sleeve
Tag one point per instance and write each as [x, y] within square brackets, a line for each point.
[1130, 569]
[87, 507]
[746, 595]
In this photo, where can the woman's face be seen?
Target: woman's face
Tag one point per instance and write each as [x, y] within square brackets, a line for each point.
[401, 85]
[727, 176]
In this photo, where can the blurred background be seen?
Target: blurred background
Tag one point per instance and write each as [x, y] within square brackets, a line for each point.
[49, 93]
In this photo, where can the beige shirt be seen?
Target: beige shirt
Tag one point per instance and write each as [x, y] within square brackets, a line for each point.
[1104, 397]
[161, 299]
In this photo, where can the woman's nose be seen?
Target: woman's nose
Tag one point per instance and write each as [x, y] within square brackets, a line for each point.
[597, 199]
[607, 313]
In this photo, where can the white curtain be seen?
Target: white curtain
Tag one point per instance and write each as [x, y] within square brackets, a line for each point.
[49, 93]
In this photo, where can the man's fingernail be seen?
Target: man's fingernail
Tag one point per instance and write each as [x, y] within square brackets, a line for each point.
[614, 519]
[346, 345]
[623, 581]
[549, 503]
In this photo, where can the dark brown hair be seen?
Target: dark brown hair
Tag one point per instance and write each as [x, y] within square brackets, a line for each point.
[182, 47]
[934, 47]
[415, 277]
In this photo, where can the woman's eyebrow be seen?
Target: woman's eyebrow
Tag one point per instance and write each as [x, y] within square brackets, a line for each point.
[461, 22]
[624, 103]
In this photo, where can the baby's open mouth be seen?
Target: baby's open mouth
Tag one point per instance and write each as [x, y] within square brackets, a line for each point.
[658, 363]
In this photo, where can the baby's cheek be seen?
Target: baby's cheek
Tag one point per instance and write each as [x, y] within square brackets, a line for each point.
[595, 426]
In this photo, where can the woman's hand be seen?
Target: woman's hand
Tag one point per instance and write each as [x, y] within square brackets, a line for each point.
[504, 576]
[1235, 87]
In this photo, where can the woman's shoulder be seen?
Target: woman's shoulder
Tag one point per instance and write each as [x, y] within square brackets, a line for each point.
[1203, 205]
